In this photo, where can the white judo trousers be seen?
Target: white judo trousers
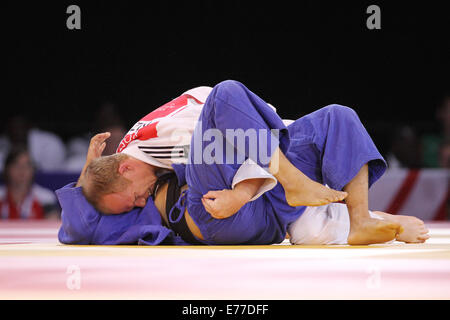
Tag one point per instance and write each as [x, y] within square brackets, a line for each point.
[328, 224]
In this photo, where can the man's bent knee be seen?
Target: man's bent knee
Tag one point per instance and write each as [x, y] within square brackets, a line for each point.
[221, 96]
[228, 89]
[341, 112]
[340, 109]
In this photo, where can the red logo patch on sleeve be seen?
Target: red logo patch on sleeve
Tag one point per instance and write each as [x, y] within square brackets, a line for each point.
[145, 128]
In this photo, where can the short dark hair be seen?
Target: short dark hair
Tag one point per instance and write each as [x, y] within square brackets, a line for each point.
[12, 156]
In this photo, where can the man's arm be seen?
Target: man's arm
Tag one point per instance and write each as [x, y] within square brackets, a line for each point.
[96, 147]
[222, 204]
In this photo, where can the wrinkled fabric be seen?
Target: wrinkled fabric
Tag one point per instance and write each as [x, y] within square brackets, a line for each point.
[329, 145]
[82, 224]
[232, 106]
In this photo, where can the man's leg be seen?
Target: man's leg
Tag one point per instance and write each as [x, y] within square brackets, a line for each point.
[330, 224]
[363, 228]
[367, 230]
[231, 106]
[332, 147]
[299, 189]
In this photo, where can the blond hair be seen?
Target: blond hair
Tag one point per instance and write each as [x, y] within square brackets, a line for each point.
[102, 177]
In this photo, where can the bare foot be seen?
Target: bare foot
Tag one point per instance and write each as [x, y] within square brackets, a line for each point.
[306, 192]
[369, 231]
[299, 189]
[415, 230]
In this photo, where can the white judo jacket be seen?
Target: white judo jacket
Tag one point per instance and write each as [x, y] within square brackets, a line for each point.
[163, 137]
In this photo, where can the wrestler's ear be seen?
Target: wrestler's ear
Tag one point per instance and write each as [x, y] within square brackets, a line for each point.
[124, 167]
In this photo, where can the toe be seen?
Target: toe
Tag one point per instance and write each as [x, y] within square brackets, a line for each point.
[342, 195]
[424, 236]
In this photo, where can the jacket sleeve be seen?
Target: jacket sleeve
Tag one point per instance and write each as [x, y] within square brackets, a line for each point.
[79, 218]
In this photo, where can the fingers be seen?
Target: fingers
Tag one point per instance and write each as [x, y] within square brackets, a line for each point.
[210, 204]
[103, 135]
[102, 147]
[212, 194]
[96, 146]
[100, 137]
[209, 207]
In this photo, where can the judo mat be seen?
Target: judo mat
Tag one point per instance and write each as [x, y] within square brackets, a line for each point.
[34, 265]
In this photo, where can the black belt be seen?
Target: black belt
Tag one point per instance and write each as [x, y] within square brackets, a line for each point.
[180, 227]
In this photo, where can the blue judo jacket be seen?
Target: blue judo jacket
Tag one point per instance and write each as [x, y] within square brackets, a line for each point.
[83, 224]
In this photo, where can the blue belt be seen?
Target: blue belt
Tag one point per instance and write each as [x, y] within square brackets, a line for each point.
[175, 208]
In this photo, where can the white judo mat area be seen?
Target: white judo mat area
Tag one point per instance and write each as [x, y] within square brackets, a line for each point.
[34, 265]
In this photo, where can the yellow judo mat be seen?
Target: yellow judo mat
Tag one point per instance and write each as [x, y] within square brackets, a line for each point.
[34, 265]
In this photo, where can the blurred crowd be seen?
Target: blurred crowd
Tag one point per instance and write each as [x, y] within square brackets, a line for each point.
[410, 149]
[26, 149]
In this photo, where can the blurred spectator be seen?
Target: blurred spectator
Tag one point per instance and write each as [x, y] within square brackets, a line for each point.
[436, 145]
[76, 154]
[47, 150]
[405, 149]
[107, 118]
[20, 197]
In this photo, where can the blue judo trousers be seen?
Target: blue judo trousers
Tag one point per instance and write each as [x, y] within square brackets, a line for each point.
[329, 145]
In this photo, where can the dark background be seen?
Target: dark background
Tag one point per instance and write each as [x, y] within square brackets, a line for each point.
[297, 55]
